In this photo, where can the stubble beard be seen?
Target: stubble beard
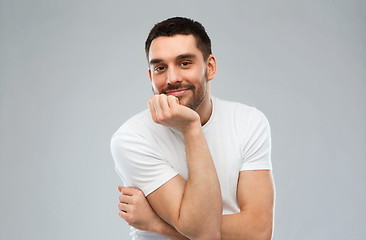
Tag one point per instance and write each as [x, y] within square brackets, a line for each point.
[198, 93]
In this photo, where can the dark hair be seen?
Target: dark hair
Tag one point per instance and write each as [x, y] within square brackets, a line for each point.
[184, 26]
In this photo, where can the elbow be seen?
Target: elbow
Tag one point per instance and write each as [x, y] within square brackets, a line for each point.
[199, 231]
[262, 227]
[264, 231]
[265, 235]
[207, 236]
[199, 226]
[211, 236]
[261, 235]
[202, 235]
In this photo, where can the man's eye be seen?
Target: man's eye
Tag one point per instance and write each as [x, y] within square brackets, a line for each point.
[158, 69]
[184, 64]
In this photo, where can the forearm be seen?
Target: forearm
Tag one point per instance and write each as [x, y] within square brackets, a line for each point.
[233, 226]
[201, 206]
[256, 201]
[164, 229]
[246, 226]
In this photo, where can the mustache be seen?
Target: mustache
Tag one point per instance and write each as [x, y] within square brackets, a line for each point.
[176, 87]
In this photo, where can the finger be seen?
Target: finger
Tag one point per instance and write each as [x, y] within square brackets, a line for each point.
[120, 188]
[158, 110]
[163, 103]
[152, 110]
[173, 101]
[123, 207]
[123, 215]
[125, 199]
[130, 191]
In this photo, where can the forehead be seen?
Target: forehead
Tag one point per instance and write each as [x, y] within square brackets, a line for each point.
[166, 48]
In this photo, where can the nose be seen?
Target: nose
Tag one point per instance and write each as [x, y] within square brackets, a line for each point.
[173, 76]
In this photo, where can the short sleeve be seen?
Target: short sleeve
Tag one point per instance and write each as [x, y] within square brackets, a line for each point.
[256, 147]
[138, 162]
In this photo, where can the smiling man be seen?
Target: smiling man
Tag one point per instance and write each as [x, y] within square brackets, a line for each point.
[193, 166]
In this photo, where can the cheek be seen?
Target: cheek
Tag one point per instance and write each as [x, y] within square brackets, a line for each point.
[194, 75]
[158, 81]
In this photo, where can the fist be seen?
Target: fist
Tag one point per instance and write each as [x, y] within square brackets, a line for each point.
[167, 111]
[136, 210]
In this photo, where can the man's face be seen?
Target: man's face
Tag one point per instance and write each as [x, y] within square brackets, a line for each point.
[177, 67]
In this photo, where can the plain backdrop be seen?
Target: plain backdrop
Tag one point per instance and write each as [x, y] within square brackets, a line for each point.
[71, 72]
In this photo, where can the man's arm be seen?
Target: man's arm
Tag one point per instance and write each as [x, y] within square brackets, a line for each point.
[137, 212]
[194, 207]
[254, 221]
[256, 196]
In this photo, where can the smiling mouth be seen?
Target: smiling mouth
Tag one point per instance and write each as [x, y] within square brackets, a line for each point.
[177, 92]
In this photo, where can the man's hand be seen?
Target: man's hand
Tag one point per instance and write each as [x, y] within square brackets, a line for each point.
[136, 210]
[167, 111]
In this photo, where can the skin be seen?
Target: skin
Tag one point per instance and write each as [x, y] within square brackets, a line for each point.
[192, 209]
[254, 221]
[184, 67]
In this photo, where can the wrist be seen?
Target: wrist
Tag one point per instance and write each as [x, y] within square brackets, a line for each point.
[158, 227]
[192, 129]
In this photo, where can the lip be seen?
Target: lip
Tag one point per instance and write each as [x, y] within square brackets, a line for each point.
[177, 92]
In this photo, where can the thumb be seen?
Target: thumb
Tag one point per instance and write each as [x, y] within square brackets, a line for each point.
[173, 101]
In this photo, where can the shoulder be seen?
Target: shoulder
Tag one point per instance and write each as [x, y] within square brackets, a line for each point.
[139, 129]
[239, 112]
[135, 127]
[134, 122]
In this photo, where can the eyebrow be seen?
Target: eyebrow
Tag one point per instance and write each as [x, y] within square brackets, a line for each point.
[180, 57]
[155, 61]
[184, 56]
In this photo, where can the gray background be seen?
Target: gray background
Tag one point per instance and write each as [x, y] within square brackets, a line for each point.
[71, 72]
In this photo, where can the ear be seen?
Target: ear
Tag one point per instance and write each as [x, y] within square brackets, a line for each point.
[149, 70]
[211, 67]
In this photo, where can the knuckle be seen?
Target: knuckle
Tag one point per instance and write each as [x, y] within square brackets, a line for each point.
[171, 98]
[139, 192]
[160, 117]
[162, 99]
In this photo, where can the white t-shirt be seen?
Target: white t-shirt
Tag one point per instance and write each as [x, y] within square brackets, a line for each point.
[147, 154]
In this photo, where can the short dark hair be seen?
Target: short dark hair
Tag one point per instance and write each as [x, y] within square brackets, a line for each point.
[181, 25]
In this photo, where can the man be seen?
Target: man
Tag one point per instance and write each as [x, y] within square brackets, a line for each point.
[202, 163]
